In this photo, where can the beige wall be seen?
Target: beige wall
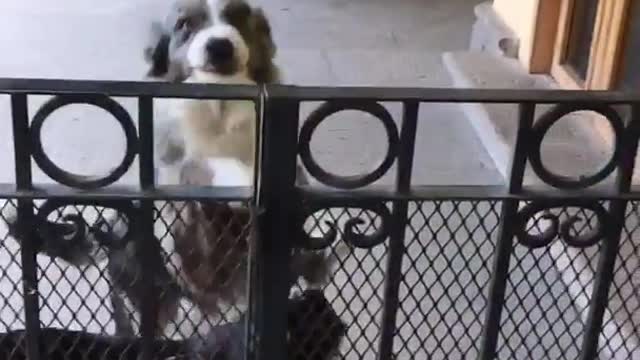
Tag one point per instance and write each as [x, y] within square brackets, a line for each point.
[535, 22]
[521, 17]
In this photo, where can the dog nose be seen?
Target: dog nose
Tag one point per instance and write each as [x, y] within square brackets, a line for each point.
[219, 50]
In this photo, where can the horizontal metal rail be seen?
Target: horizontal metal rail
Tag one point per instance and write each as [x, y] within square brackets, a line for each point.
[308, 93]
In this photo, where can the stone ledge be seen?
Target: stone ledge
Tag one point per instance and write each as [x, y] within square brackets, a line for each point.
[564, 147]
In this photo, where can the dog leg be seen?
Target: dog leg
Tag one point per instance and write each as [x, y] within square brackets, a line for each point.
[121, 315]
[196, 172]
[169, 146]
[125, 270]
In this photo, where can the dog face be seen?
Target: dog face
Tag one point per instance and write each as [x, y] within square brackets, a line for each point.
[218, 49]
[168, 47]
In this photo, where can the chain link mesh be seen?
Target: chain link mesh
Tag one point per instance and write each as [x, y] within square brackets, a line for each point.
[446, 268]
[81, 297]
[11, 294]
[355, 288]
[620, 338]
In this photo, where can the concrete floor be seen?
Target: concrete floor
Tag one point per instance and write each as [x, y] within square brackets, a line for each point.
[359, 42]
[339, 42]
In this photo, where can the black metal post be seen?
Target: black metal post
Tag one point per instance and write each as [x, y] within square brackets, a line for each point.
[275, 198]
[145, 126]
[253, 271]
[397, 241]
[22, 157]
[610, 246]
[504, 245]
[144, 227]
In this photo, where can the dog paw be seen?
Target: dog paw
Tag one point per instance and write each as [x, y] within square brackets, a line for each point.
[172, 153]
[195, 172]
[169, 146]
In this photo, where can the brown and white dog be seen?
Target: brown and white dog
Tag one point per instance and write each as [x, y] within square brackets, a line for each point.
[166, 51]
[215, 129]
[216, 42]
[216, 147]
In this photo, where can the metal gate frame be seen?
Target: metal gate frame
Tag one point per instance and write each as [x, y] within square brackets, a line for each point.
[280, 200]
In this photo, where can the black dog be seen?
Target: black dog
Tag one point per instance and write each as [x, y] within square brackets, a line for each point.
[314, 333]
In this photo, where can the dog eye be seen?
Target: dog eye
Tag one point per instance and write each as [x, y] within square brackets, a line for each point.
[183, 24]
[190, 23]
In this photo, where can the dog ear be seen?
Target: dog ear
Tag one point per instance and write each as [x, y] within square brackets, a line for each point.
[156, 53]
[254, 27]
[263, 28]
[263, 48]
[236, 13]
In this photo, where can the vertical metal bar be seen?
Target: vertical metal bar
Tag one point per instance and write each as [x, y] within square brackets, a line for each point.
[260, 109]
[252, 270]
[249, 332]
[610, 247]
[145, 128]
[277, 181]
[144, 226]
[22, 157]
[504, 245]
[400, 218]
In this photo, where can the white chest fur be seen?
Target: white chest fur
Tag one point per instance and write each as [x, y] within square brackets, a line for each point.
[218, 128]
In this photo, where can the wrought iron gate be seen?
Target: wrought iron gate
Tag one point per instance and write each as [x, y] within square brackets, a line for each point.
[435, 271]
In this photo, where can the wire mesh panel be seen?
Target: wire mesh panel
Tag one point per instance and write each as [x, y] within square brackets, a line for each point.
[97, 274]
[446, 271]
[355, 283]
[620, 338]
[548, 292]
[12, 308]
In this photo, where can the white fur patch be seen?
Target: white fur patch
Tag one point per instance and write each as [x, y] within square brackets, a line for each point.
[230, 172]
[197, 53]
[215, 129]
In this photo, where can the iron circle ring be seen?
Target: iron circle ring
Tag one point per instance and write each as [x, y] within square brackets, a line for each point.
[355, 181]
[546, 121]
[82, 181]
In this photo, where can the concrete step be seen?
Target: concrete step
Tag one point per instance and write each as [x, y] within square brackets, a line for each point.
[563, 150]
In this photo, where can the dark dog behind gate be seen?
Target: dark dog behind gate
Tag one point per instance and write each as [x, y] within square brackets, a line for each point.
[314, 333]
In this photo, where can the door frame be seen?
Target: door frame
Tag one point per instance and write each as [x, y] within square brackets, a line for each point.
[606, 48]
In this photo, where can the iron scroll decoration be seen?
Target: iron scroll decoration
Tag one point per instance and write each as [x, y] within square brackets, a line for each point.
[70, 237]
[546, 121]
[350, 235]
[347, 182]
[74, 180]
[558, 228]
[124, 208]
